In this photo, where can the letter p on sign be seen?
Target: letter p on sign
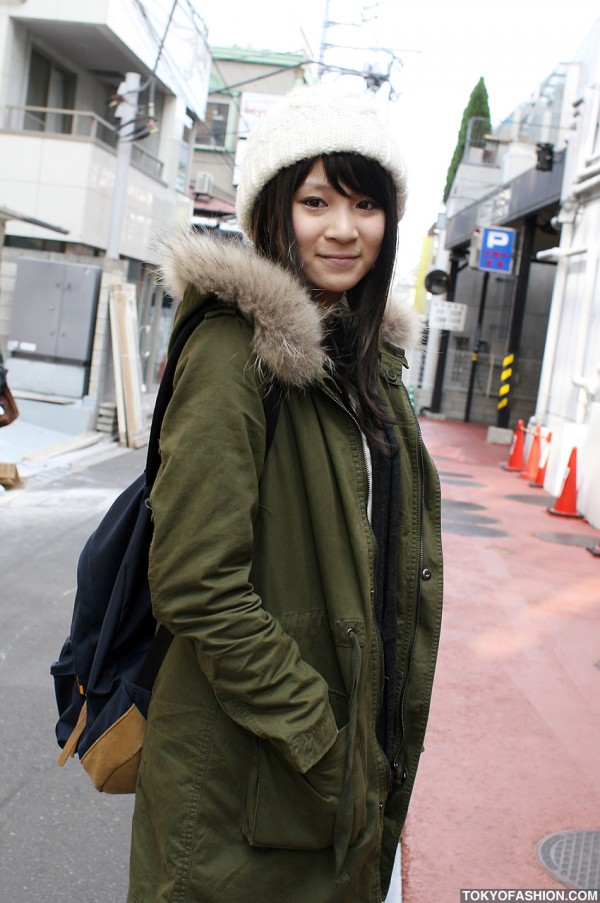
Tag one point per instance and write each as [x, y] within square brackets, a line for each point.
[497, 239]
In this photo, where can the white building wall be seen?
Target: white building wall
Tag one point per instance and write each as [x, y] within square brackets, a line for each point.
[68, 181]
[569, 400]
[184, 64]
[70, 184]
[14, 55]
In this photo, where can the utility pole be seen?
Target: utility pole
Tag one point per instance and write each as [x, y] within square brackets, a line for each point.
[126, 112]
[436, 397]
[476, 345]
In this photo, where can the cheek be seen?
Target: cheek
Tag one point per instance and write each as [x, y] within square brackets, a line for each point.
[302, 221]
[299, 232]
[375, 235]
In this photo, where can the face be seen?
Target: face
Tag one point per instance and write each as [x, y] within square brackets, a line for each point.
[338, 238]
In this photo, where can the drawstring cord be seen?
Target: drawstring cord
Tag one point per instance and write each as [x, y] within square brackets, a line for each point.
[344, 816]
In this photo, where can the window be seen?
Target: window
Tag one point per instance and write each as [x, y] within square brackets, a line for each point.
[51, 87]
[185, 149]
[212, 133]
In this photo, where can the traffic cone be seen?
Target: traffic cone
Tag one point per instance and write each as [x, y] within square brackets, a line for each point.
[538, 481]
[533, 460]
[516, 459]
[566, 504]
[595, 550]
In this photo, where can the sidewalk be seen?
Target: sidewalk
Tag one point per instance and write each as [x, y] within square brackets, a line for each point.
[39, 453]
[512, 752]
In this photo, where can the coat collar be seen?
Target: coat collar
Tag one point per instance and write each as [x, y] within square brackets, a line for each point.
[288, 324]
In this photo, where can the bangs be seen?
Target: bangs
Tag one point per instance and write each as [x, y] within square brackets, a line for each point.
[361, 175]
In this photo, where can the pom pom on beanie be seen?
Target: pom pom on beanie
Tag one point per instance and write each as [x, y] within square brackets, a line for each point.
[310, 121]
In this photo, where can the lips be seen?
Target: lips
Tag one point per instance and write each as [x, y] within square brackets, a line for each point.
[339, 260]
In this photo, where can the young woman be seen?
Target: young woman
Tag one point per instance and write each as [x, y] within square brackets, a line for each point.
[302, 586]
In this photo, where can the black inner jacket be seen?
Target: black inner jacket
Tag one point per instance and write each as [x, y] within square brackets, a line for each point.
[385, 520]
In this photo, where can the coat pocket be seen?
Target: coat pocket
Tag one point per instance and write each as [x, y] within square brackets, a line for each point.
[288, 810]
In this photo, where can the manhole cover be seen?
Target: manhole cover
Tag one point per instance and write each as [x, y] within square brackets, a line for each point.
[573, 857]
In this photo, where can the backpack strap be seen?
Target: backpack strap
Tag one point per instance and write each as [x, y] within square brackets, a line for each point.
[165, 389]
[70, 747]
[271, 404]
[271, 399]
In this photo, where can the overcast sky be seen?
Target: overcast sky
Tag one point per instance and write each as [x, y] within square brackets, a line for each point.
[444, 46]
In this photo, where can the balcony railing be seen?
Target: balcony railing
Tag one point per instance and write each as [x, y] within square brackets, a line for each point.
[80, 125]
[141, 159]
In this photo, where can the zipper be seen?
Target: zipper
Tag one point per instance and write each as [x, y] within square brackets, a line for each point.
[363, 440]
[392, 771]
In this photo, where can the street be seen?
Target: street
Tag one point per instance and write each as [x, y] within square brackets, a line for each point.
[511, 751]
[60, 840]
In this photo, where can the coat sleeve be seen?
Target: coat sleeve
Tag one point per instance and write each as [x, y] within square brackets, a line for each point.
[204, 502]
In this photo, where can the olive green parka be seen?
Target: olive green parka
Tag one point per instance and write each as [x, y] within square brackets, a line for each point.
[261, 776]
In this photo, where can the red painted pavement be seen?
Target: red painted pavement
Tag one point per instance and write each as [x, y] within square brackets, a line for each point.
[513, 747]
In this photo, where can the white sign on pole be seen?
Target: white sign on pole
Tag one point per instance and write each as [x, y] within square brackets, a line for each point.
[253, 106]
[448, 315]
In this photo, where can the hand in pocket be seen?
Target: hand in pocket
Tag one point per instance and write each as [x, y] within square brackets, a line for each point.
[289, 810]
[327, 775]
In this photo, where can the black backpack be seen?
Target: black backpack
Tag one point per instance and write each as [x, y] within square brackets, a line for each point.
[104, 676]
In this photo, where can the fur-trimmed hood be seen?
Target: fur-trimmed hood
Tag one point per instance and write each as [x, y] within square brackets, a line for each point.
[288, 324]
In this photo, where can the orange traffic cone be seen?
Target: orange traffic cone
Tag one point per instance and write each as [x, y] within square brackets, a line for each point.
[533, 460]
[566, 504]
[538, 481]
[516, 459]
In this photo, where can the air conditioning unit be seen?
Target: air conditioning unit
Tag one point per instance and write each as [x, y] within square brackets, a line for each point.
[204, 183]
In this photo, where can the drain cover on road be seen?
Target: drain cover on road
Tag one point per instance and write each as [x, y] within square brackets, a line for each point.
[573, 857]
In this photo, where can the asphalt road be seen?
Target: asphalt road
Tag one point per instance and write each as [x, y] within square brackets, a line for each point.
[60, 840]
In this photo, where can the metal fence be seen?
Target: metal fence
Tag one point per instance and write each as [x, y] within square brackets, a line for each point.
[487, 375]
[81, 125]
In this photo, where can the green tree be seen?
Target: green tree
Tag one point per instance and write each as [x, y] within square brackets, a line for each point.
[478, 106]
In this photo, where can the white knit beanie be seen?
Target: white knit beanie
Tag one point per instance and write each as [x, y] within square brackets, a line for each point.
[310, 121]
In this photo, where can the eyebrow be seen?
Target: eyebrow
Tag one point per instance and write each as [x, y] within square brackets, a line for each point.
[315, 185]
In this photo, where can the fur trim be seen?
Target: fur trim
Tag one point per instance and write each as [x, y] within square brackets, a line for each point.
[288, 324]
[402, 326]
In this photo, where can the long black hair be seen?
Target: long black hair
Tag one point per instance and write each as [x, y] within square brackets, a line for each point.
[353, 337]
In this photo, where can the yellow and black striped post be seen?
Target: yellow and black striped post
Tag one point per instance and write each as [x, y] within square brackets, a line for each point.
[504, 390]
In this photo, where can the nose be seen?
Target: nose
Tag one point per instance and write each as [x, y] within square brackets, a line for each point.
[341, 225]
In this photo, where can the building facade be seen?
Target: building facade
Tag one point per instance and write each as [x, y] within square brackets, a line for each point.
[243, 85]
[568, 401]
[529, 344]
[98, 106]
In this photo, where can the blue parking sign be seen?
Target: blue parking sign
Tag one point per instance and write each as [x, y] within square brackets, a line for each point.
[496, 252]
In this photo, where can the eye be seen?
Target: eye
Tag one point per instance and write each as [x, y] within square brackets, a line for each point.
[313, 202]
[367, 204]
